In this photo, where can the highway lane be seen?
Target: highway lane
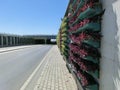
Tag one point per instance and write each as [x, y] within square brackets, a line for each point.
[16, 66]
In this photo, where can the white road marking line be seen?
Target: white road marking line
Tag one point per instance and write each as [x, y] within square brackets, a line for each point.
[34, 72]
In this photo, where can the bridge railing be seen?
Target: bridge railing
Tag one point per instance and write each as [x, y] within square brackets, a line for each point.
[13, 40]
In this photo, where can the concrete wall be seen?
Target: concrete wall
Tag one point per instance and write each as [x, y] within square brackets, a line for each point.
[110, 46]
[10, 40]
[13, 40]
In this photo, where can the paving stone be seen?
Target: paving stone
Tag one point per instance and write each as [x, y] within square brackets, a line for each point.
[55, 75]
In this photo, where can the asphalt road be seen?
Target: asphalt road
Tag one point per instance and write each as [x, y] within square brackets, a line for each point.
[16, 66]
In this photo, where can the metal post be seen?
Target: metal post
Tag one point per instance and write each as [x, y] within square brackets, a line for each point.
[45, 41]
[2, 41]
[11, 41]
[16, 40]
[6, 37]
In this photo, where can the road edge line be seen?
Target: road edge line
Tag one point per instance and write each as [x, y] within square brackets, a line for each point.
[14, 49]
[34, 72]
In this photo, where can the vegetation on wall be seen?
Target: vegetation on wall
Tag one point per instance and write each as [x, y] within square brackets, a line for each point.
[81, 27]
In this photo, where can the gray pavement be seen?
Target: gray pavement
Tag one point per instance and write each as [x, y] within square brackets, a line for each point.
[34, 67]
[54, 75]
[17, 65]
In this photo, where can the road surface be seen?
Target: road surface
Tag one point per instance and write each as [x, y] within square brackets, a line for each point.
[16, 66]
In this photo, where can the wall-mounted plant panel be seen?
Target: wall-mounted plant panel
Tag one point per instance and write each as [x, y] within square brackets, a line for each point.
[80, 37]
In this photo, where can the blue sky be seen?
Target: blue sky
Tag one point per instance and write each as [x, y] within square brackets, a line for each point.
[31, 16]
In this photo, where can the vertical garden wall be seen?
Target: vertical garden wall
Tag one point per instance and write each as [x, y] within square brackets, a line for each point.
[63, 39]
[79, 41]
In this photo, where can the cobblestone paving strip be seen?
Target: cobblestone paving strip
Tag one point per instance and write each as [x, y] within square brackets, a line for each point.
[55, 75]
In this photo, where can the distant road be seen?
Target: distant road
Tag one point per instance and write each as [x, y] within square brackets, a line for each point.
[16, 66]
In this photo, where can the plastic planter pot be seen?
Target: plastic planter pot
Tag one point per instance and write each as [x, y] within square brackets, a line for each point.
[64, 24]
[65, 42]
[87, 66]
[80, 4]
[94, 27]
[95, 74]
[65, 38]
[65, 53]
[92, 87]
[91, 12]
[64, 35]
[89, 58]
[64, 30]
[86, 79]
[78, 7]
[92, 43]
[64, 50]
[74, 2]
[65, 46]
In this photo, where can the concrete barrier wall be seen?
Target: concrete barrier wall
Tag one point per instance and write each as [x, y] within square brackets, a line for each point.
[13, 40]
[110, 46]
[10, 40]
